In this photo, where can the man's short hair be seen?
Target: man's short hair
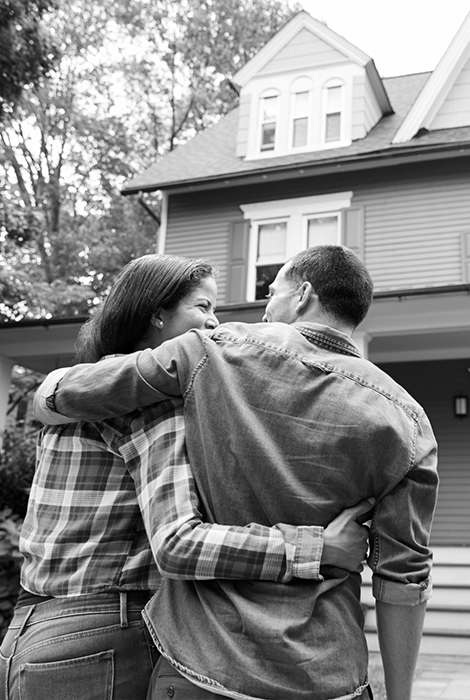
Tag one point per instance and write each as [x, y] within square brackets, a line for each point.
[339, 279]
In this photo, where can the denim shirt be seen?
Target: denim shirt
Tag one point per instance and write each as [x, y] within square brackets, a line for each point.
[304, 427]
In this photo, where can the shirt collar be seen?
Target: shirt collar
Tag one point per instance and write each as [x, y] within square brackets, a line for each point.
[328, 338]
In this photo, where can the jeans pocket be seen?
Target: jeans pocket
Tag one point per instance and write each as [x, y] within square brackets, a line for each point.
[55, 680]
[168, 683]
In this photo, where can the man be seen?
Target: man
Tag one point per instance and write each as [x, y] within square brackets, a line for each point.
[304, 427]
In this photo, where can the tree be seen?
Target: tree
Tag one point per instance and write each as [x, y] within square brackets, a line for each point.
[65, 155]
[133, 79]
[191, 49]
[27, 50]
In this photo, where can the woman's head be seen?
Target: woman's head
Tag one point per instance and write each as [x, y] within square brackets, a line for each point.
[154, 298]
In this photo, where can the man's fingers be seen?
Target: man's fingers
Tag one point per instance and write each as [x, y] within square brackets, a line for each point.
[360, 509]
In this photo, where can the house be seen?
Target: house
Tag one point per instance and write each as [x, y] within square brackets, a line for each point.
[321, 149]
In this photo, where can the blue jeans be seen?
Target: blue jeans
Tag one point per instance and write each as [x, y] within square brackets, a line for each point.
[168, 683]
[92, 647]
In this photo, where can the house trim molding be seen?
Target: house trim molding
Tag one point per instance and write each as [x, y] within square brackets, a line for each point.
[438, 85]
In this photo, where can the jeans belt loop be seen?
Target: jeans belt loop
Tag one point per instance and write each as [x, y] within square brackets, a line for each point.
[32, 608]
[123, 608]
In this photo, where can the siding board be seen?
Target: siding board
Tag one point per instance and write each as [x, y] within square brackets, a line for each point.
[303, 51]
[434, 384]
[414, 222]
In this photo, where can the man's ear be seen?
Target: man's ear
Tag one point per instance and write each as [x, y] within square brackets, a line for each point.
[305, 293]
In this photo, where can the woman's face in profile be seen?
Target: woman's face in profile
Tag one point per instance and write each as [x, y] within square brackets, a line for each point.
[196, 310]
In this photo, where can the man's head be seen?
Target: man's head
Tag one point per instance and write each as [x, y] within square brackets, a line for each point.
[325, 284]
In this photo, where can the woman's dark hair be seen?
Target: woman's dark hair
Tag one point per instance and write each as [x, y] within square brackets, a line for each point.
[338, 277]
[144, 286]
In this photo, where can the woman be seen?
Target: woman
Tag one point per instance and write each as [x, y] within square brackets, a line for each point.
[77, 631]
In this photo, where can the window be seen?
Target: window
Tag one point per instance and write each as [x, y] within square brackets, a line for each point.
[333, 98]
[301, 90]
[322, 230]
[280, 229]
[269, 112]
[270, 255]
[300, 121]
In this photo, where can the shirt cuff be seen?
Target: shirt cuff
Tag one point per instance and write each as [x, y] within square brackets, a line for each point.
[304, 548]
[43, 403]
[396, 593]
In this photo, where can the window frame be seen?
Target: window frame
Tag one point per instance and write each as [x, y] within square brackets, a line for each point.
[295, 212]
[299, 86]
[266, 95]
[333, 83]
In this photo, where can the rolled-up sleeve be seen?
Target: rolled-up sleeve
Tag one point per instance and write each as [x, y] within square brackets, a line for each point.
[44, 400]
[400, 557]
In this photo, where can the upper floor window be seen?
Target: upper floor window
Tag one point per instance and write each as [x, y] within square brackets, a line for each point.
[333, 109]
[270, 254]
[280, 229]
[300, 110]
[269, 119]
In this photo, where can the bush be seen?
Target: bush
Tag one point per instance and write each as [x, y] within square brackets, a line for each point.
[17, 464]
[10, 566]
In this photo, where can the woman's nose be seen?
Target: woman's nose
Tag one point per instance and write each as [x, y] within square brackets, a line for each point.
[212, 321]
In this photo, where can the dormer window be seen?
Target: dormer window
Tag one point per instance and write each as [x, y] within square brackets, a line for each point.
[333, 109]
[269, 119]
[301, 109]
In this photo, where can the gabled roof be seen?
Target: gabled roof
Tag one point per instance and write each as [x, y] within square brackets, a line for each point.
[211, 154]
[301, 21]
[210, 159]
[437, 88]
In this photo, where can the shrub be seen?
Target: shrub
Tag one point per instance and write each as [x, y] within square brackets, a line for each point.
[10, 565]
[17, 463]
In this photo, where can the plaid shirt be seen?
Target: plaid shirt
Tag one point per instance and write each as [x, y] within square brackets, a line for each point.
[100, 487]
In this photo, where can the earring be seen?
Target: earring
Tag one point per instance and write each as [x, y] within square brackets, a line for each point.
[155, 321]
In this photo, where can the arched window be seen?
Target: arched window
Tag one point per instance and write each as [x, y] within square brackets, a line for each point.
[301, 91]
[269, 117]
[333, 92]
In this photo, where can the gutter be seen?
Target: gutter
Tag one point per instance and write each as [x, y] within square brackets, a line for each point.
[423, 291]
[247, 305]
[393, 156]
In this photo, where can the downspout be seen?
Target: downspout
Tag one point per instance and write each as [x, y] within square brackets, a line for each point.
[154, 216]
[161, 240]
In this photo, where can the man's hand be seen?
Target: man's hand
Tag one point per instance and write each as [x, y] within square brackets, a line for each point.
[345, 540]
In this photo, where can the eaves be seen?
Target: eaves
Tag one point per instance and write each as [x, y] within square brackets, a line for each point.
[383, 158]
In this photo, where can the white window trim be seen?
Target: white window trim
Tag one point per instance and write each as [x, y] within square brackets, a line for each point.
[335, 82]
[296, 213]
[271, 92]
[301, 84]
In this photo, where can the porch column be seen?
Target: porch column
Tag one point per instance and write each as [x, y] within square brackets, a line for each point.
[6, 365]
[362, 340]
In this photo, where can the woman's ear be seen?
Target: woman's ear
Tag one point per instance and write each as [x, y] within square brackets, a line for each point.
[156, 321]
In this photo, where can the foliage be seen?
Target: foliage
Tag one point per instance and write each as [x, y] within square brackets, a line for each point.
[191, 49]
[27, 49]
[10, 530]
[17, 463]
[10, 565]
[132, 79]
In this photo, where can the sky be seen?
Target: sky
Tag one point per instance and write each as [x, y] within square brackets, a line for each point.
[402, 36]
